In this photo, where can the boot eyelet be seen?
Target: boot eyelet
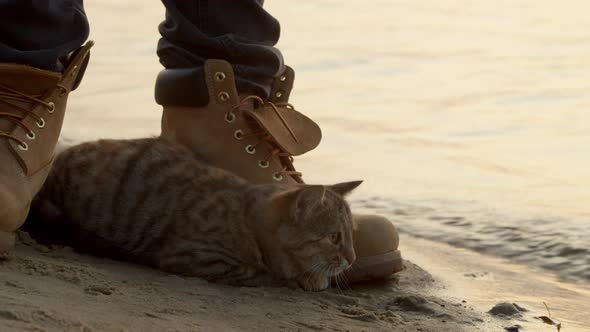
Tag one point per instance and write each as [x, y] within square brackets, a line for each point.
[31, 135]
[283, 78]
[250, 149]
[263, 163]
[50, 107]
[41, 123]
[279, 94]
[239, 134]
[277, 176]
[23, 146]
[223, 96]
[219, 76]
[230, 117]
[62, 92]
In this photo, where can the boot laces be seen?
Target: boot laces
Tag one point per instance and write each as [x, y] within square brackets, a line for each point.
[8, 96]
[264, 137]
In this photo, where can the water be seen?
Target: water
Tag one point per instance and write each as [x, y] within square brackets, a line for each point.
[553, 244]
[467, 119]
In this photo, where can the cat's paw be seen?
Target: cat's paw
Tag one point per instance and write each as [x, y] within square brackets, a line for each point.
[291, 284]
[314, 283]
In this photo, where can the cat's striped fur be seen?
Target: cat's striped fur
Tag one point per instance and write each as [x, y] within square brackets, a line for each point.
[154, 202]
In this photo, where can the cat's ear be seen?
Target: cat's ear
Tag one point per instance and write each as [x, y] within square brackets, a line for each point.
[285, 202]
[294, 202]
[315, 193]
[345, 188]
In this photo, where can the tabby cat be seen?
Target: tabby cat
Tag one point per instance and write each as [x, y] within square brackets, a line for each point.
[156, 203]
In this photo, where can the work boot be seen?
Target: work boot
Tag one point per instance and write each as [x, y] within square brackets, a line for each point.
[32, 108]
[257, 140]
[376, 244]
[247, 136]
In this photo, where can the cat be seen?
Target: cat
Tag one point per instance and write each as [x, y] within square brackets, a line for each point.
[156, 203]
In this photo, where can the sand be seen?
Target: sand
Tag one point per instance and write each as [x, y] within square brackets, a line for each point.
[53, 288]
[56, 289]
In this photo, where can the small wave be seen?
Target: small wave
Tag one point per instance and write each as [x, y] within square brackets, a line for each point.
[560, 246]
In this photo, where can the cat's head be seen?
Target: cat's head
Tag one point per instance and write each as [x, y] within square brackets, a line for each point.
[312, 230]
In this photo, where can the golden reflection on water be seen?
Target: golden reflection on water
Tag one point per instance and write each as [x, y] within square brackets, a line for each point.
[463, 99]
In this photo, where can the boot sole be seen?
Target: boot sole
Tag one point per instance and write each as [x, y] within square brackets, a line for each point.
[6, 244]
[375, 267]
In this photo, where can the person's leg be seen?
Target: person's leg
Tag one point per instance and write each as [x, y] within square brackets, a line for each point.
[37, 72]
[238, 31]
[41, 33]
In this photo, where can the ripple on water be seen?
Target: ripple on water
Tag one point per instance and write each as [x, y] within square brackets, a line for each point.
[556, 245]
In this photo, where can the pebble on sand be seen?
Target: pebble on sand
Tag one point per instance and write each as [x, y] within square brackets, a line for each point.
[506, 309]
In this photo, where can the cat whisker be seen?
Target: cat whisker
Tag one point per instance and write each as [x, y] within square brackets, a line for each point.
[311, 272]
[337, 277]
[345, 280]
[312, 269]
[326, 273]
[321, 272]
[334, 281]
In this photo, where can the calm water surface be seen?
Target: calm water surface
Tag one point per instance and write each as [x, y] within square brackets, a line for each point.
[469, 120]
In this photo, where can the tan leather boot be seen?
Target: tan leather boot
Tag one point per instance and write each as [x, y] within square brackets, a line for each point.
[32, 108]
[376, 244]
[257, 140]
[247, 136]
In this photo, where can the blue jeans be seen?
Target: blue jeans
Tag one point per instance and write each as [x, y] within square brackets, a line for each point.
[41, 33]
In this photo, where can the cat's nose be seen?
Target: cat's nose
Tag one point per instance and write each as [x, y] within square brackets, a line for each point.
[350, 256]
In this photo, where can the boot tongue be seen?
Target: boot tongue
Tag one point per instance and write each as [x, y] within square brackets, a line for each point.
[25, 79]
[292, 131]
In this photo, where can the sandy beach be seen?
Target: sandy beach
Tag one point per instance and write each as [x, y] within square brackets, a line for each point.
[52, 288]
[414, 100]
[56, 289]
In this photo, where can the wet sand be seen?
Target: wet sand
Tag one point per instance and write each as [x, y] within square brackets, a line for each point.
[486, 281]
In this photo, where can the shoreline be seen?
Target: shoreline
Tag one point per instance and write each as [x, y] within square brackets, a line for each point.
[487, 280]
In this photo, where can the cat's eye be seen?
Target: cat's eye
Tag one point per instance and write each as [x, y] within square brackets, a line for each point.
[335, 238]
